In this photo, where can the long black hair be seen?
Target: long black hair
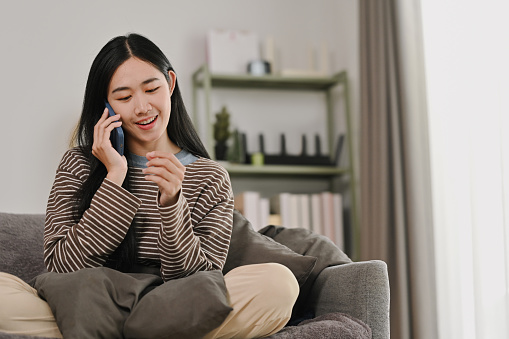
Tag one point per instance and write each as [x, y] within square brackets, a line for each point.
[180, 128]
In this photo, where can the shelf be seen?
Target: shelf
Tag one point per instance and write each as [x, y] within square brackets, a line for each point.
[206, 81]
[271, 81]
[293, 170]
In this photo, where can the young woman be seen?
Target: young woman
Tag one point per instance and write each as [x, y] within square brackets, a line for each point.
[164, 207]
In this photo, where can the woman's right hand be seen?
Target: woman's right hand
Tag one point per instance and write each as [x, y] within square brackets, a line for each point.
[116, 165]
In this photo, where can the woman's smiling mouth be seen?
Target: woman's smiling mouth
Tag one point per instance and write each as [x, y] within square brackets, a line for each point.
[147, 123]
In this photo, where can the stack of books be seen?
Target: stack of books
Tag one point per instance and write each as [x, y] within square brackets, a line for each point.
[321, 212]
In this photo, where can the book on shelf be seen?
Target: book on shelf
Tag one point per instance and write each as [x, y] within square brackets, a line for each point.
[294, 211]
[264, 213]
[321, 212]
[304, 208]
[280, 205]
[248, 203]
[332, 217]
[328, 215]
[316, 213]
[255, 208]
[337, 200]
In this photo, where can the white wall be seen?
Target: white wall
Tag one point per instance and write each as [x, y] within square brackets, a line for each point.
[48, 46]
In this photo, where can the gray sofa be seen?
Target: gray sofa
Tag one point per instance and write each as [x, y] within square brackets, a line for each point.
[359, 290]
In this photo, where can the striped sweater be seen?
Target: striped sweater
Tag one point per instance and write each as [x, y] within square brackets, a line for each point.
[190, 236]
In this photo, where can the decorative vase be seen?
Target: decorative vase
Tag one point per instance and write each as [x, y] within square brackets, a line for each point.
[221, 149]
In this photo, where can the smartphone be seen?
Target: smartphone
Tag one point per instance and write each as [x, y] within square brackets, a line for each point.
[117, 135]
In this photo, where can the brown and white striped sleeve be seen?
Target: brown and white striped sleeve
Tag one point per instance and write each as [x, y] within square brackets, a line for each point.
[195, 232]
[70, 246]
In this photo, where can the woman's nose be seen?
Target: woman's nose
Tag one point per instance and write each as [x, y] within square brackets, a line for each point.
[141, 106]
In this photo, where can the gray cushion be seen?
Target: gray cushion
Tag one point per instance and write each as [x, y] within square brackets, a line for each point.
[250, 247]
[305, 242]
[193, 307]
[103, 303]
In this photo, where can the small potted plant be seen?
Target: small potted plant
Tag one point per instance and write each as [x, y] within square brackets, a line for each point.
[222, 133]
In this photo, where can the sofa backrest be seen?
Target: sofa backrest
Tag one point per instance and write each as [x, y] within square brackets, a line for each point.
[21, 245]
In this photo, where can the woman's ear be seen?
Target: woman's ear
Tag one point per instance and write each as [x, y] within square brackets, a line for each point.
[173, 81]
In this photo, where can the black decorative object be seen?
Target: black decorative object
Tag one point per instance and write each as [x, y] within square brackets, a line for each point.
[304, 146]
[318, 145]
[220, 149]
[247, 156]
[222, 133]
[262, 143]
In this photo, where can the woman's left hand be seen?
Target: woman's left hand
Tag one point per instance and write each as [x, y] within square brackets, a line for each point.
[168, 173]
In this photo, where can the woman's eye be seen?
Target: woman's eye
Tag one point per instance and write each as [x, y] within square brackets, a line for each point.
[153, 90]
[124, 98]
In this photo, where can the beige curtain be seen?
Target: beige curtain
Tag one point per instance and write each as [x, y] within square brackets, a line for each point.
[395, 201]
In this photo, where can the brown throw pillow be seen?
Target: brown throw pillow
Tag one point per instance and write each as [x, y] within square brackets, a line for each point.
[104, 303]
[249, 247]
[192, 307]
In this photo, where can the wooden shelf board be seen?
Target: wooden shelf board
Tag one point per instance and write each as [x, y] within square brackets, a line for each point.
[273, 81]
[291, 170]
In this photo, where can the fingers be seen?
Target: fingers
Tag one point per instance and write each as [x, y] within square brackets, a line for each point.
[167, 172]
[166, 160]
[106, 120]
[103, 128]
[166, 166]
[103, 150]
[164, 155]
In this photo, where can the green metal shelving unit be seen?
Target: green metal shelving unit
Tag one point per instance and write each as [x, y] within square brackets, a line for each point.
[206, 81]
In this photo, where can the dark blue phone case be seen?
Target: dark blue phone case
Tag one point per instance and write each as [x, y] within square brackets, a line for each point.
[117, 135]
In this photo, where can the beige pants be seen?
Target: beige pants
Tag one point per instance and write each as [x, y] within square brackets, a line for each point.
[262, 297]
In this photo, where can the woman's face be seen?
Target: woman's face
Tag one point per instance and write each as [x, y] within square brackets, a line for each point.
[140, 94]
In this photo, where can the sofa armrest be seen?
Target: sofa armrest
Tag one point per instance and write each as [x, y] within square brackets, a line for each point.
[360, 289]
